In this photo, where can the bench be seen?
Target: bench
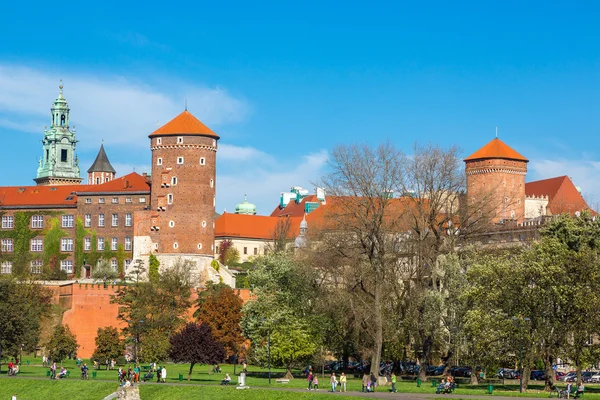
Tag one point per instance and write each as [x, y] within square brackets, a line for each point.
[282, 380]
[446, 390]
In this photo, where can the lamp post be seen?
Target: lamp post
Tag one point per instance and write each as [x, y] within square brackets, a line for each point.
[21, 359]
[521, 350]
[269, 351]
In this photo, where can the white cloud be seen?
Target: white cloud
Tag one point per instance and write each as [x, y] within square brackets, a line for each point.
[263, 182]
[120, 110]
[584, 174]
[242, 154]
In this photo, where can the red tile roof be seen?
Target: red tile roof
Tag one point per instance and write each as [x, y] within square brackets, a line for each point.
[496, 149]
[66, 195]
[252, 226]
[184, 124]
[563, 196]
[293, 209]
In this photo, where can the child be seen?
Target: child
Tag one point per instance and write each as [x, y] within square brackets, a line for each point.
[315, 382]
[369, 387]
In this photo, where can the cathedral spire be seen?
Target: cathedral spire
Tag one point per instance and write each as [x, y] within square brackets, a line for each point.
[59, 164]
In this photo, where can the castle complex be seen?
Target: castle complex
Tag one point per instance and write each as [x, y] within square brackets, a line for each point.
[62, 224]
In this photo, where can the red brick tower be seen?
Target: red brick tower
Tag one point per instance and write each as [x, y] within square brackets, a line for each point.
[183, 189]
[496, 182]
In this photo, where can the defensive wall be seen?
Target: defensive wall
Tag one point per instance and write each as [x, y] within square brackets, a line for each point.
[85, 307]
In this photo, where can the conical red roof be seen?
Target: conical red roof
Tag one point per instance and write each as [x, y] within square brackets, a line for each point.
[496, 149]
[184, 124]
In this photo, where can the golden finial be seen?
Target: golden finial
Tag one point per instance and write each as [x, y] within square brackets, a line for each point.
[61, 85]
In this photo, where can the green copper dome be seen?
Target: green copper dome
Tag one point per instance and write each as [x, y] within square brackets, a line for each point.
[245, 208]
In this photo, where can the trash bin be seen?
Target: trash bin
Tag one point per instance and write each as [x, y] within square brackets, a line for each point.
[490, 389]
[94, 373]
[433, 382]
[27, 362]
[180, 377]
[418, 382]
[47, 373]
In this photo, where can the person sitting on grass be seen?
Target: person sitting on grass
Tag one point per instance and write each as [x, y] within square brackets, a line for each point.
[226, 380]
[216, 369]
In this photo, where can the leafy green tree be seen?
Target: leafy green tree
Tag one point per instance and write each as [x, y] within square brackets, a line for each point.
[228, 254]
[104, 272]
[221, 309]
[195, 344]
[282, 310]
[108, 344]
[154, 310]
[62, 344]
[153, 274]
[23, 306]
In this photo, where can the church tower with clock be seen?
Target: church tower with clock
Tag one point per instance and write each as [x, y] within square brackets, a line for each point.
[59, 164]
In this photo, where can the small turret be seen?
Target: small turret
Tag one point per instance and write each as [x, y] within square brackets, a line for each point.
[101, 170]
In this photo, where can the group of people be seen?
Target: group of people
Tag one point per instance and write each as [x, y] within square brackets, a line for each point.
[446, 385]
[131, 374]
[62, 374]
[369, 382]
[578, 392]
[334, 382]
[13, 368]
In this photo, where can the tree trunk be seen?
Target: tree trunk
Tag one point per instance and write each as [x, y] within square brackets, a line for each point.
[190, 373]
[550, 381]
[427, 343]
[526, 374]
[288, 373]
[378, 325]
[474, 379]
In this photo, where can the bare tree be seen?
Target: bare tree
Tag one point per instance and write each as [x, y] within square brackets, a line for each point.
[280, 236]
[358, 236]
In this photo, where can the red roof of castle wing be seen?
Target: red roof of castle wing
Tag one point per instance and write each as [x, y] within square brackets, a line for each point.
[132, 182]
[563, 196]
[38, 196]
[184, 124]
[253, 226]
[496, 149]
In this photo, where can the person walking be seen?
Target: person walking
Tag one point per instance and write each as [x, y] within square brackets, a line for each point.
[373, 382]
[393, 382]
[53, 371]
[365, 381]
[333, 381]
[163, 374]
[315, 382]
[343, 382]
[309, 378]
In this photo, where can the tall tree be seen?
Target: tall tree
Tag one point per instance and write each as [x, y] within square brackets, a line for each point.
[154, 310]
[21, 309]
[221, 309]
[195, 344]
[108, 344]
[62, 344]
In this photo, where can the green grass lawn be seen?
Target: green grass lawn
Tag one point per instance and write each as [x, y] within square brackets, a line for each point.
[34, 389]
[157, 392]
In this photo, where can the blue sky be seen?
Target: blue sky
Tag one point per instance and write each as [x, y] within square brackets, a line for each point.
[283, 82]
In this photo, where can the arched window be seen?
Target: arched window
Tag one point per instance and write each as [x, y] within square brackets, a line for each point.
[63, 119]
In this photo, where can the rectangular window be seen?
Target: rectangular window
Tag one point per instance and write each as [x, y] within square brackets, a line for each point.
[101, 200]
[113, 264]
[37, 221]
[68, 221]
[114, 244]
[6, 267]
[37, 245]
[255, 251]
[159, 161]
[245, 250]
[128, 243]
[127, 263]
[202, 161]
[179, 139]
[115, 200]
[66, 244]
[142, 199]
[8, 222]
[100, 220]
[128, 219]
[179, 160]
[115, 220]
[7, 245]
[128, 200]
[67, 266]
[63, 155]
[169, 199]
[88, 200]
[159, 141]
[100, 244]
[87, 244]
[36, 267]
[87, 220]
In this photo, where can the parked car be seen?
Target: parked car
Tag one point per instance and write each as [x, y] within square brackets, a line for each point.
[595, 378]
[559, 375]
[538, 375]
[507, 373]
[571, 377]
[460, 372]
[434, 370]
[586, 376]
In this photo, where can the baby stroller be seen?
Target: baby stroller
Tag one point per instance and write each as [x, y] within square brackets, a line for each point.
[149, 375]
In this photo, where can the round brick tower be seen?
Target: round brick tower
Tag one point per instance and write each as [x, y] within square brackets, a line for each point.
[496, 183]
[183, 188]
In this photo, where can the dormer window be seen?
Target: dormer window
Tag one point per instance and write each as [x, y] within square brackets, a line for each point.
[179, 139]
